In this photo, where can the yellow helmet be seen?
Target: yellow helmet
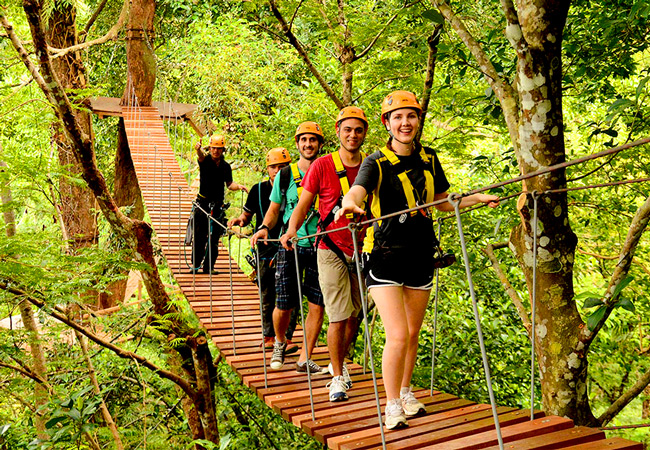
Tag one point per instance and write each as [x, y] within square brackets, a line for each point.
[309, 127]
[352, 112]
[397, 100]
[217, 141]
[277, 155]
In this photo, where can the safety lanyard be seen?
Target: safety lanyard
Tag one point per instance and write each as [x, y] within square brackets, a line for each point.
[407, 186]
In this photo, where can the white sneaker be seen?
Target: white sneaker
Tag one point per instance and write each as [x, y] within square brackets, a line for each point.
[410, 405]
[395, 417]
[277, 358]
[344, 373]
[338, 389]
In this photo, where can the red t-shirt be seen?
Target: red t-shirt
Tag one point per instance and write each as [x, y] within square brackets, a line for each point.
[321, 179]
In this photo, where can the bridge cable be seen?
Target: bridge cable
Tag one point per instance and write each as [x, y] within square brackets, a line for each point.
[304, 330]
[533, 309]
[232, 298]
[455, 202]
[259, 290]
[435, 314]
[364, 304]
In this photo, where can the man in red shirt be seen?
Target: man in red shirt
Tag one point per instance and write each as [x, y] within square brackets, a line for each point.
[330, 177]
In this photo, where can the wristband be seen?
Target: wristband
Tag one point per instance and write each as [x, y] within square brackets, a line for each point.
[263, 227]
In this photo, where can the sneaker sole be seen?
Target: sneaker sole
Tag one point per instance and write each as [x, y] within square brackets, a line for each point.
[417, 413]
[320, 372]
[291, 350]
[340, 398]
[398, 425]
[276, 366]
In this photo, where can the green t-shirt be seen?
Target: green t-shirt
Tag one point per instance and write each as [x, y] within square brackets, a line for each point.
[308, 227]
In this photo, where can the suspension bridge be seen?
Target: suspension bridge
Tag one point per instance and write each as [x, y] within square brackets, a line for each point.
[228, 306]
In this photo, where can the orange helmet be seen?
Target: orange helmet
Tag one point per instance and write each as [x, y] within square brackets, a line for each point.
[309, 127]
[351, 112]
[397, 100]
[277, 155]
[217, 141]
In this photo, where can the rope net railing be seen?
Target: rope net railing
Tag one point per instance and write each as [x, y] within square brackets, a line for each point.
[174, 195]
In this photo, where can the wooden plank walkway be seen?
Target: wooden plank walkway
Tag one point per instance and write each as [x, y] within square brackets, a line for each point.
[450, 422]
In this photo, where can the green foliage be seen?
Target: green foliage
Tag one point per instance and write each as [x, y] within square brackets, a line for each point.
[230, 59]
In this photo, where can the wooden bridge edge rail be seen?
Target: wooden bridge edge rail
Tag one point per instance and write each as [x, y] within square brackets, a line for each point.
[450, 422]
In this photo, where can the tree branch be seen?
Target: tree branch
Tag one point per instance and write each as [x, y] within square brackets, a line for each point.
[94, 17]
[24, 56]
[513, 29]
[380, 83]
[293, 40]
[432, 42]
[637, 227]
[521, 309]
[625, 399]
[365, 51]
[112, 34]
[295, 13]
[28, 374]
[12, 287]
[500, 86]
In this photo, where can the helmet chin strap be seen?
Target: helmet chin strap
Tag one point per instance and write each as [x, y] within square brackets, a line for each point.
[392, 136]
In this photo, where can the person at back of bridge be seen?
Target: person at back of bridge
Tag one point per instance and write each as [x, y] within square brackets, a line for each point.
[257, 204]
[399, 251]
[214, 174]
[329, 178]
[284, 198]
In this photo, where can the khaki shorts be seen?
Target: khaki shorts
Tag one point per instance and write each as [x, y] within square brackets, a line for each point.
[339, 285]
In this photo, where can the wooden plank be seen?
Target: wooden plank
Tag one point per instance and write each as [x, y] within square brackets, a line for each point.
[556, 440]
[369, 437]
[615, 443]
[511, 430]
[457, 431]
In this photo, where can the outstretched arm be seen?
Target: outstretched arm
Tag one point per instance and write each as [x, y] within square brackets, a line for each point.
[471, 200]
[243, 219]
[237, 187]
[352, 202]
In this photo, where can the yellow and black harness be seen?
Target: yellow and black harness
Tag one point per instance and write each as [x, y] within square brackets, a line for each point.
[413, 198]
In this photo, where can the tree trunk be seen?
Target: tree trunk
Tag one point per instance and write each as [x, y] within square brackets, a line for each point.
[347, 57]
[540, 143]
[135, 233]
[29, 322]
[139, 88]
[204, 387]
[77, 202]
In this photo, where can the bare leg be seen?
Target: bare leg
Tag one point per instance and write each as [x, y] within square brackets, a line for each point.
[390, 303]
[313, 324]
[415, 304]
[336, 345]
[281, 320]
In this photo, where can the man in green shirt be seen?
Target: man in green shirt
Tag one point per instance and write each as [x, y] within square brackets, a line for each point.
[284, 198]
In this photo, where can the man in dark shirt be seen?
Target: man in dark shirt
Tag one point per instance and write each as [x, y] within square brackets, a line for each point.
[256, 206]
[214, 173]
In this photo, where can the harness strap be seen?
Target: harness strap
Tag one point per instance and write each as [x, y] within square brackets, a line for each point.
[297, 178]
[407, 186]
